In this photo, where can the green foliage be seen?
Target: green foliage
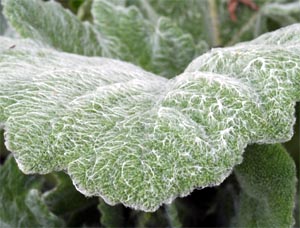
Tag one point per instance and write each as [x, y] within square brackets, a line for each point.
[209, 20]
[133, 137]
[130, 136]
[21, 202]
[111, 216]
[52, 25]
[268, 181]
[64, 199]
[118, 32]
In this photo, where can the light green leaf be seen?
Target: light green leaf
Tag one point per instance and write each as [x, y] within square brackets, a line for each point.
[172, 50]
[133, 137]
[161, 46]
[21, 202]
[51, 24]
[267, 177]
[118, 32]
[127, 26]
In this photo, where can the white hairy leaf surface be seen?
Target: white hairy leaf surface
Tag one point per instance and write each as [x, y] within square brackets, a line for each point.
[117, 31]
[139, 139]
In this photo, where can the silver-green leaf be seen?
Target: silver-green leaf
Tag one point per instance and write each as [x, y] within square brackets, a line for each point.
[117, 32]
[51, 24]
[133, 137]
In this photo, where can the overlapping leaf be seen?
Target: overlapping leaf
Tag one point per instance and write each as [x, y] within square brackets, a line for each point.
[52, 25]
[268, 181]
[118, 32]
[136, 138]
[209, 20]
[21, 201]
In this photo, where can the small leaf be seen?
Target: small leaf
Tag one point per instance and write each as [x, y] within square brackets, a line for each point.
[267, 177]
[133, 137]
[21, 202]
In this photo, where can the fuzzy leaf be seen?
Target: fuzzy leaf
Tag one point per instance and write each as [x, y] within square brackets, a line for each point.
[54, 26]
[268, 180]
[147, 44]
[127, 26]
[118, 32]
[136, 138]
[21, 202]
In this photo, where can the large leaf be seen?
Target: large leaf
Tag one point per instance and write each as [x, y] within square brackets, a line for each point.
[268, 180]
[55, 26]
[21, 202]
[136, 138]
[118, 32]
[159, 46]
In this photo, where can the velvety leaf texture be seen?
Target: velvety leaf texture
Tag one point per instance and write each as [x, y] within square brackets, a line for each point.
[268, 181]
[144, 42]
[21, 202]
[54, 26]
[130, 136]
[117, 32]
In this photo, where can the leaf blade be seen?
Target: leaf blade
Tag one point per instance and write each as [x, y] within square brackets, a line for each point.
[134, 137]
[268, 181]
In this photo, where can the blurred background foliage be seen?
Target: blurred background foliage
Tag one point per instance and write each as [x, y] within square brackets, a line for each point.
[207, 20]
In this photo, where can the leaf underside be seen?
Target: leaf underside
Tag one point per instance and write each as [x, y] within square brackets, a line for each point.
[133, 137]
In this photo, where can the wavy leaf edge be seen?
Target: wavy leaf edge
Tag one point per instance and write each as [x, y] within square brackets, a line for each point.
[180, 83]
